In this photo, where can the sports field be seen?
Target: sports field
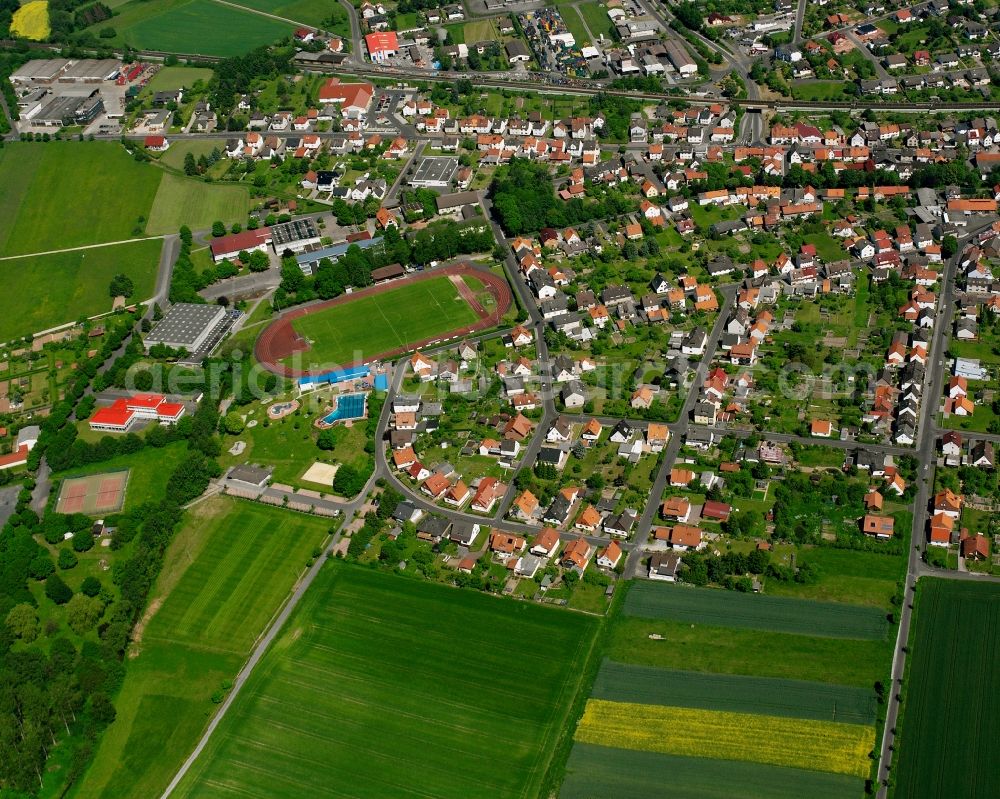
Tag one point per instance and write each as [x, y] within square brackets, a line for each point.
[752, 611]
[950, 731]
[94, 494]
[625, 682]
[377, 323]
[225, 575]
[43, 291]
[64, 194]
[599, 771]
[183, 201]
[194, 26]
[387, 686]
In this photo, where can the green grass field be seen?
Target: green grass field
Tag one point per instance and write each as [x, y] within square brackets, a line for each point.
[177, 78]
[596, 16]
[950, 742]
[728, 650]
[625, 682]
[386, 686]
[151, 468]
[193, 26]
[308, 12]
[599, 771]
[381, 322]
[42, 205]
[862, 578]
[574, 23]
[44, 291]
[750, 611]
[183, 201]
[821, 90]
[480, 31]
[225, 574]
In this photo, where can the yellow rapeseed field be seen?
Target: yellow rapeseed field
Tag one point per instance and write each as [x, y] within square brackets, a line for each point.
[797, 743]
[32, 20]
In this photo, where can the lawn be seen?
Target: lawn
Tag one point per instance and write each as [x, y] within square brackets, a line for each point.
[44, 291]
[950, 741]
[574, 23]
[194, 26]
[386, 686]
[628, 774]
[817, 91]
[846, 575]
[184, 201]
[626, 682]
[480, 31]
[151, 468]
[828, 248]
[357, 330]
[289, 444]
[728, 650]
[749, 611]
[225, 574]
[67, 194]
[178, 78]
[308, 12]
[596, 16]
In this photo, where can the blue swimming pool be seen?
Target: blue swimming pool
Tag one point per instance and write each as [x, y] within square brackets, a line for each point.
[381, 382]
[349, 406]
[336, 376]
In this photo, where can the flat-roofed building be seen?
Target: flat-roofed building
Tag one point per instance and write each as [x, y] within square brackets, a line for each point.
[186, 326]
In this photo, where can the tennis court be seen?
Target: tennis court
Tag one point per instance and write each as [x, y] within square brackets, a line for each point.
[94, 494]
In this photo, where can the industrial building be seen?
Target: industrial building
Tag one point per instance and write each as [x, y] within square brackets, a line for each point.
[187, 326]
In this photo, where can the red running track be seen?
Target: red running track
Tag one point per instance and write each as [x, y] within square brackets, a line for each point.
[279, 339]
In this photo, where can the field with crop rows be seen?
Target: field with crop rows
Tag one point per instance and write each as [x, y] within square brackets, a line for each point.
[814, 745]
[950, 738]
[754, 611]
[600, 771]
[225, 574]
[384, 686]
[626, 682]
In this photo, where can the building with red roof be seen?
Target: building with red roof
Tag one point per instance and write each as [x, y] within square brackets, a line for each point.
[156, 144]
[382, 45]
[353, 98]
[123, 413]
[226, 247]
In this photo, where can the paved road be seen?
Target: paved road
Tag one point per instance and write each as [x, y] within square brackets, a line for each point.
[860, 45]
[926, 454]
[800, 16]
[357, 48]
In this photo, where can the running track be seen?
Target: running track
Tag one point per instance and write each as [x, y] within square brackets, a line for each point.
[279, 339]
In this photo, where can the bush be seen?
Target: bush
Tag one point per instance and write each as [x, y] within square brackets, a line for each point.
[67, 560]
[41, 566]
[91, 586]
[57, 590]
[83, 541]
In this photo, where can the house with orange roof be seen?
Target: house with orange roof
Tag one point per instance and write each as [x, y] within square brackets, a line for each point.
[435, 485]
[821, 428]
[592, 430]
[457, 494]
[949, 503]
[525, 506]
[518, 428]
[589, 519]
[505, 545]
[423, 367]
[877, 526]
[677, 508]
[608, 557]
[679, 478]
[941, 529]
[576, 555]
[488, 492]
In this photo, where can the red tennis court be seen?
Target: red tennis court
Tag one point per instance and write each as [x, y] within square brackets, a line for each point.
[94, 494]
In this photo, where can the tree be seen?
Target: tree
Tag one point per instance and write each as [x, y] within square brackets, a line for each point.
[234, 423]
[258, 261]
[67, 559]
[121, 286]
[83, 540]
[41, 566]
[949, 246]
[190, 165]
[83, 612]
[23, 622]
[57, 590]
[91, 586]
[327, 439]
[218, 229]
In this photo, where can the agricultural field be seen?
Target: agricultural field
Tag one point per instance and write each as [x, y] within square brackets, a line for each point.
[43, 291]
[183, 201]
[225, 574]
[949, 743]
[631, 774]
[481, 31]
[381, 322]
[795, 743]
[31, 20]
[308, 12]
[40, 207]
[312, 720]
[748, 611]
[192, 26]
[626, 682]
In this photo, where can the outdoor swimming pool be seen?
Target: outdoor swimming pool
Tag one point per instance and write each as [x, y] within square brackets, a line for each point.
[338, 376]
[349, 406]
